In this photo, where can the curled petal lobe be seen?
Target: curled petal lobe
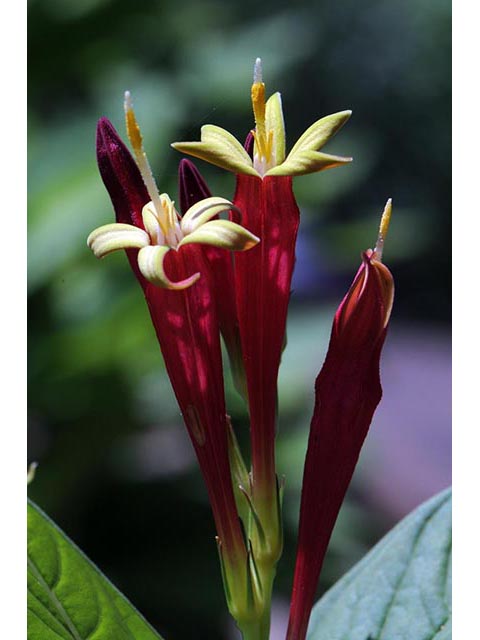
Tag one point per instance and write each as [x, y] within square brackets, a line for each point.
[305, 157]
[203, 211]
[152, 224]
[305, 162]
[274, 122]
[220, 148]
[111, 237]
[150, 261]
[320, 132]
[222, 234]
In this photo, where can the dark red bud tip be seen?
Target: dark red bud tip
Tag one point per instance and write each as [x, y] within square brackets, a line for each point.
[249, 142]
[120, 175]
[364, 312]
[191, 185]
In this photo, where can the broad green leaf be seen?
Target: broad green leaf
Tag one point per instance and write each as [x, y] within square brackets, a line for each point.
[401, 590]
[68, 597]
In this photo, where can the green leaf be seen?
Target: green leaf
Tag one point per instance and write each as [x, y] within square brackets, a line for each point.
[401, 590]
[68, 597]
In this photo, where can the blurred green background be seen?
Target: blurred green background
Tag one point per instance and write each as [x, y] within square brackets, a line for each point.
[116, 468]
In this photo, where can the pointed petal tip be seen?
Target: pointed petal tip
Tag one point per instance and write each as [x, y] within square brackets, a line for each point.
[151, 265]
[222, 234]
[105, 126]
[343, 116]
[188, 170]
[185, 164]
[218, 147]
[102, 121]
[191, 185]
[106, 134]
[248, 144]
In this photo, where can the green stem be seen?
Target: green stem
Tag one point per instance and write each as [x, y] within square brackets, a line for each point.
[256, 631]
[259, 629]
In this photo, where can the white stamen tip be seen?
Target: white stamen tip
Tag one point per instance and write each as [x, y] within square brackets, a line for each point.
[127, 100]
[257, 71]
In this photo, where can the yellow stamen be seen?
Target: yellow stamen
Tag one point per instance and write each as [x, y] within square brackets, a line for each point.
[168, 207]
[263, 139]
[136, 140]
[258, 103]
[383, 230]
[133, 130]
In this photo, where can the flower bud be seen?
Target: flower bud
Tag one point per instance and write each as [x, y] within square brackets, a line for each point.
[347, 392]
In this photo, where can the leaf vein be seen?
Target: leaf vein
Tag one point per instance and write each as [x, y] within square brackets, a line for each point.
[99, 610]
[445, 570]
[440, 627]
[56, 602]
[34, 613]
[415, 543]
[122, 619]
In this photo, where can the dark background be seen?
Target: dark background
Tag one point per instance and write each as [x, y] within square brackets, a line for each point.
[116, 469]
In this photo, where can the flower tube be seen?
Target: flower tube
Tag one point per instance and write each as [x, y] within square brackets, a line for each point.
[347, 392]
[193, 188]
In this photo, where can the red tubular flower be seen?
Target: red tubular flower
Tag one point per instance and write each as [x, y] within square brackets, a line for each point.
[184, 314]
[347, 392]
[192, 188]
[264, 196]
[263, 290]
[186, 324]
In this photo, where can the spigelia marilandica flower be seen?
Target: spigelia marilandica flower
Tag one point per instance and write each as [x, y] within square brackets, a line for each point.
[263, 276]
[347, 392]
[163, 229]
[221, 148]
[184, 313]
